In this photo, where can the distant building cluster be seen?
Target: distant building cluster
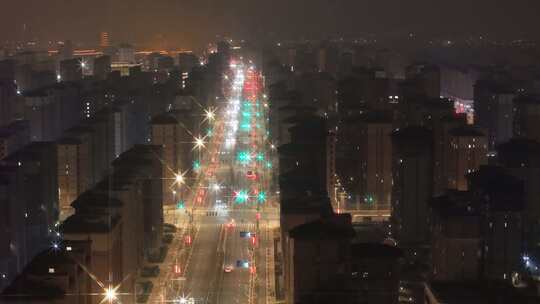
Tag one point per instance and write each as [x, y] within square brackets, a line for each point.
[92, 144]
[404, 178]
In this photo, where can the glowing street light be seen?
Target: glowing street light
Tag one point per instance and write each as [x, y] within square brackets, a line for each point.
[179, 178]
[83, 64]
[110, 294]
[216, 187]
[210, 114]
[199, 142]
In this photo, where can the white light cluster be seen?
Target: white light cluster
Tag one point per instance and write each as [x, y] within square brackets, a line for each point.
[233, 106]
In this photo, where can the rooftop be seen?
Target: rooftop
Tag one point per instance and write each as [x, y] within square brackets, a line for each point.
[466, 131]
[375, 250]
[88, 224]
[456, 203]
[322, 229]
[479, 293]
[164, 119]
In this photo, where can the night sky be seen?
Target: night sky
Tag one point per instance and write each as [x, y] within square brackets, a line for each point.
[188, 23]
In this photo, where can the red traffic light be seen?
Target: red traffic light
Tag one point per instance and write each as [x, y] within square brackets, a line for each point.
[251, 175]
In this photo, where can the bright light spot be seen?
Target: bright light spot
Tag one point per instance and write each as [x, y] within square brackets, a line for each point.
[261, 197]
[110, 294]
[196, 165]
[210, 114]
[244, 157]
[241, 196]
[179, 178]
[199, 142]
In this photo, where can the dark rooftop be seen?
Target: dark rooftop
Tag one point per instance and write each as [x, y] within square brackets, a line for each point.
[322, 229]
[88, 224]
[456, 203]
[69, 141]
[519, 152]
[466, 131]
[307, 204]
[164, 119]
[375, 250]
[495, 86]
[527, 99]
[29, 152]
[413, 134]
[480, 293]
[92, 200]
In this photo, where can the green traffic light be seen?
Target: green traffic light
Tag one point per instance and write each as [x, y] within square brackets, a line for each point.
[180, 205]
[245, 127]
[241, 197]
[196, 165]
[261, 197]
[243, 157]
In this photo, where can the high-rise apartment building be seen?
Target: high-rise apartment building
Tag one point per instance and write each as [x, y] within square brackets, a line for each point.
[527, 116]
[104, 41]
[412, 168]
[167, 132]
[29, 205]
[441, 132]
[494, 111]
[71, 70]
[468, 150]
[73, 171]
[8, 91]
[375, 165]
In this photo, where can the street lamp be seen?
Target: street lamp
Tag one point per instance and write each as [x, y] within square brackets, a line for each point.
[199, 142]
[179, 178]
[210, 114]
[110, 294]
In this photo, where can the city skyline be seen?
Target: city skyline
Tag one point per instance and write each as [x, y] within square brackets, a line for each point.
[257, 152]
[191, 24]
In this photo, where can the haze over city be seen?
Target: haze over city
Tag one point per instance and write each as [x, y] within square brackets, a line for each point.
[269, 152]
[191, 24]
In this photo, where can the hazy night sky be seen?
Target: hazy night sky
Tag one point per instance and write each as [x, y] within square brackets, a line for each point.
[191, 22]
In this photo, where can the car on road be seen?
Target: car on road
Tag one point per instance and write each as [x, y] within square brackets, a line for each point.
[228, 269]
